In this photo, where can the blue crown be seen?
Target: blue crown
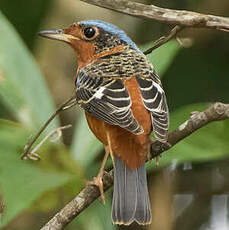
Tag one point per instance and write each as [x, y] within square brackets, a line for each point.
[113, 30]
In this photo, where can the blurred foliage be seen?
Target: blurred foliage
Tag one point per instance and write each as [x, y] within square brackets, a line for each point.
[22, 86]
[26, 16]
[21, 183]
[208, 83]
[23, 92]
[31, 192]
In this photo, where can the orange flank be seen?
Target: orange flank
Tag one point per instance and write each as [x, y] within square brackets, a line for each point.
[130, 148]
[98, 127]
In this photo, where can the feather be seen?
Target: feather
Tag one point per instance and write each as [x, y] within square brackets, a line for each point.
[154, 100]
[130, 196]
[107, 100]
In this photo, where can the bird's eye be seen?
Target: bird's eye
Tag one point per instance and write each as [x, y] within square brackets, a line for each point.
[89, 32]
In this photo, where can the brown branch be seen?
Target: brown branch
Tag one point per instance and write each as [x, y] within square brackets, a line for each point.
[162, 40]
[33, 154]
[178, 17]
[216, 112]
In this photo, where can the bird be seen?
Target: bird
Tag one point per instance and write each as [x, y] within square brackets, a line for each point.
[124, 102]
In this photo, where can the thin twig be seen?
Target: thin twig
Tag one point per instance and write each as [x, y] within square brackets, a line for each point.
[162, 40]
[216, 112]
[176, 17]
[33, 155]
[66, 105]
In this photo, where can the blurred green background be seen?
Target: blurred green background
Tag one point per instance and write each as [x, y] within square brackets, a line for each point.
[189, 190]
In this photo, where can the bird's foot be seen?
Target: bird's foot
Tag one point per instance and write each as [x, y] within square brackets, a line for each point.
[156, 157]
[157, 148]
[97, 181]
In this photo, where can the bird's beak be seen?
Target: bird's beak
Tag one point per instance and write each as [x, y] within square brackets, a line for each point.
[57, 35]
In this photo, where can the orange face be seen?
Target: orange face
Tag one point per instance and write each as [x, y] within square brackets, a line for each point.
[89, 42]
[80, 38]
[79, 32]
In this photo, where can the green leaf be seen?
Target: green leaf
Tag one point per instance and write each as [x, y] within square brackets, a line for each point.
[21, 182]
[22, 87]
[206, 144]
[85, 146]
[163, 56]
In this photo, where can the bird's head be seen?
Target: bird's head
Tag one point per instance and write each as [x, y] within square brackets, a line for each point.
[92, 39]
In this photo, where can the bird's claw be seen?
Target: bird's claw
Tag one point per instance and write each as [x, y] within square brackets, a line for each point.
[97, 181]
[158, 147]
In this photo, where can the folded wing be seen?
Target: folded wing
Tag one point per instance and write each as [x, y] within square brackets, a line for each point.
[154, 100]
[108, 100]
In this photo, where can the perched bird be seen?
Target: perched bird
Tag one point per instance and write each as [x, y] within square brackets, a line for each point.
[124, 102]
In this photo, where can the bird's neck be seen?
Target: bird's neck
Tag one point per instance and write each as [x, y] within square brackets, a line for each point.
[87, 56]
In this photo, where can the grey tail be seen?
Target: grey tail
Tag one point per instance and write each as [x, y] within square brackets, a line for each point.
[130, 197]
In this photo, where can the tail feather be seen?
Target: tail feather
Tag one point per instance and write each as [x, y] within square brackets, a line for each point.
[130, 197]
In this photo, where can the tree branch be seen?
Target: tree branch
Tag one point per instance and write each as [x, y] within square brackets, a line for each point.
[162, 40]
[178, 17]
[216, 112]
[27, 153]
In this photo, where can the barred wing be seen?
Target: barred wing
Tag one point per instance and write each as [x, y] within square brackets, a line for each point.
[155, 101]
[108, 100]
